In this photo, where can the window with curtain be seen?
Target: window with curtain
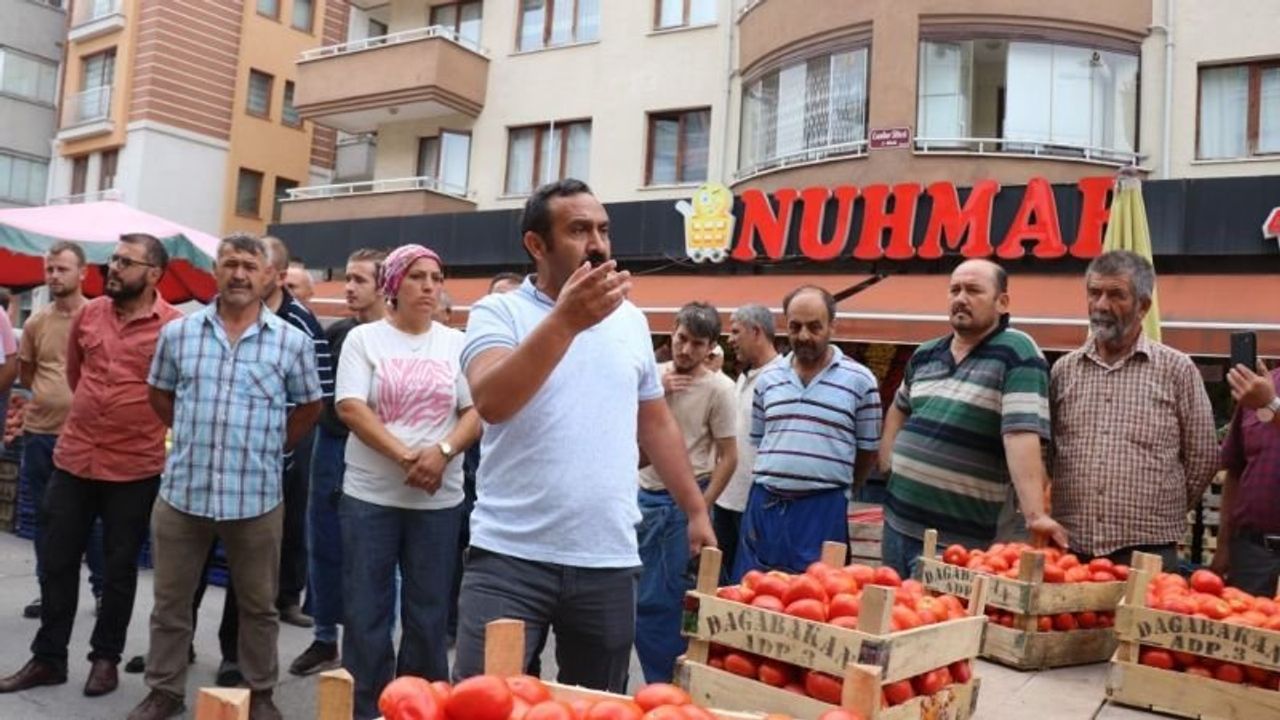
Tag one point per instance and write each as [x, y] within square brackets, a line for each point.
[248, 193]
[22, 179]
[303, 15]
[446, 158]
[548, 23]
[540, 154]
[678, 147]
[682, 13]
[258, 101]
[269, 8]
[1239, 114]
[98, 74]
[809, 107]
[463, 18]
[79, 174]
[288, 113]
[27, 76]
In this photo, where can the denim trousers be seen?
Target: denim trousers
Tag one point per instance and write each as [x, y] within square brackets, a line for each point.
[324, 571]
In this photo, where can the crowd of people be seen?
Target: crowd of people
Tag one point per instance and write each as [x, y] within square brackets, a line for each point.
[544, 466]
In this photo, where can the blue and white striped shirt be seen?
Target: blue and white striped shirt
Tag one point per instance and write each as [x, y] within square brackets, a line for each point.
[230, 410]
[809, 436]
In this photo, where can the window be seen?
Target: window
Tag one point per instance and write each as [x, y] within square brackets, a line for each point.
[1038, 97]
[28, 77]
[377, 28]
[682, 13]
[283, 186]
[809, 109]
[79, 174]
[288, 113]
[269, 8]
[547, 23]
[107, 169]
[543, 153]
[259, 100]
[249, 193]
[303, 10]
[99, 70]
[678, 144]
[463, 18]
[446, 158]
[1239, 111]
[22, 180]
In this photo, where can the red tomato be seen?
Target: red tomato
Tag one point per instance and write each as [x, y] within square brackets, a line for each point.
[528, 688]
[1229, 672]
[1156, 658]
[1101, 576]
[1054, 573]
[1044, 623]
[484, 697]
[1178, 604]
[850, 622]
[1207, 581]
[898, 692]
[1257, 676]
[768, 602]
[1064, 622]
[1101, 563]
[1121, 572]
[740, 664]
[961, 672]
[581, 706]
[519, 709]
[751, 578]
[771, 585]
[733, 593]
[903, 618]
[658, 694]
[818, 570]
[844, 605]
[821, 686]
[1068, 561]
[611, 709]
[804, 587]
[1087, 620]
[410, 697]
[551, 710]
[1215, 608]
[862, 574]
[775, 673]
[955, 555]
[1184, 659]
[928, 683]
[808, 609]
[887, 576]
[1077, 574]
[838, 583]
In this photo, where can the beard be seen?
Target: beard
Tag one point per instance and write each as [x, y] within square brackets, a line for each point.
[810, 352]
[119, 290]
[1109, 328]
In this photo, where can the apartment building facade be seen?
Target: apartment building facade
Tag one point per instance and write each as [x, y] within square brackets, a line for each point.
[185, 108]
[31, 37]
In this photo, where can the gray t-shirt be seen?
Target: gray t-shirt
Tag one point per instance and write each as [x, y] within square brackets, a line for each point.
[557, 481]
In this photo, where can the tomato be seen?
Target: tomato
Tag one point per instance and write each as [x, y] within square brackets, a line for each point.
[861, 574]
[581, 706]
[1177, 604]
[886, 576]
[775, 673]
[751, 578]
[1068, 561]
[898, 692]
[1266, 606]
[1087, 620]
[1215, 608]
[961, 671]
[1077, 574]
[1207, 581]
[1044, 623]
[1054, 573]
[838, 583]
[808, 609]
[611, 709]
[770, 585]
[1184, 659]
[928, 683]
[1156, 658]
[1101, 576]
[519, 709]
[551, 710]
[903, 618]
[484, 697]
[839, 714]
[1229, 672]
[716, 662]
[998, 564]
[1064, 622]
[656, 694]
[768, 602]
[740, 664]
[804, 587]
[528, 688]
[795, 687]
[410, 698]
[734, 593]
[955, 555]
[844, 605]
[850, 622]
[1121, 572]
[664, 712]
[820, 686]
[1258, 676]
[1101, 563]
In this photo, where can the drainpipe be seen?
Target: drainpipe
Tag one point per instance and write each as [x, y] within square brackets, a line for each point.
[1166, 142]
[726, 163]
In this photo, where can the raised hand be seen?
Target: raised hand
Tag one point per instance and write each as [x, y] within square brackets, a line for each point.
[591, 295]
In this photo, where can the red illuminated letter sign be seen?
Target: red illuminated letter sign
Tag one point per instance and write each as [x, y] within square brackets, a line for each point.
[950, 226]
[876, 219]
[812, 244]
[758, 219]
[1037, 220]
[1094, 214]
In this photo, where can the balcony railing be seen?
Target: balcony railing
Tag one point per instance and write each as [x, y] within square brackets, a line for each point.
[425, 182]
[88, 106]
[422, 33]
[1027, 149]
[803, 157]
[355, 155]
[99, 195]
[90, 10]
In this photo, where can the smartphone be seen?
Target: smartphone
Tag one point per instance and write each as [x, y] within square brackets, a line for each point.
[1244, 350]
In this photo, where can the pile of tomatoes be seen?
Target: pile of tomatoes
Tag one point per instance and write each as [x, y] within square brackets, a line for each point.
[834, 595]
[1062, 622]
[1205, 595]
[1209, 668]
[1002, 559]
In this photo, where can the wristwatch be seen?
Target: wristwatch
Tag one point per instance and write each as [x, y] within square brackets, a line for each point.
[446, 449]
[1268, 413]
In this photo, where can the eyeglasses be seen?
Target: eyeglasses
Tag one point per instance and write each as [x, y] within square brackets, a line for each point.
[125, 263]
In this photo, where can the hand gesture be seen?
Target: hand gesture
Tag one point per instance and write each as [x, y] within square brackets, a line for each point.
[701, 533]
[674, 382]
[1046, 526]
[1250, 389]
[591, 295]
[427, 472]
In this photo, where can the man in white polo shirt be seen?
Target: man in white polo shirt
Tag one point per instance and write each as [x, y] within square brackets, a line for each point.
[562, 373]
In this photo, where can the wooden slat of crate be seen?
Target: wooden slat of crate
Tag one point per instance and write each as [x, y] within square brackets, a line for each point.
[709, 686]
[1017, 596]
[1024, 650]
[1199, 636]
[1186, 695]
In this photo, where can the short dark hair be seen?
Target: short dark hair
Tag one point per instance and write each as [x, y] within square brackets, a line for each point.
[536, 217]
[153, 249]
[369, 255]
[243, 242]
[700, 319]
[827, 299]
[505, 277]
[67, 246]
[1118, 263]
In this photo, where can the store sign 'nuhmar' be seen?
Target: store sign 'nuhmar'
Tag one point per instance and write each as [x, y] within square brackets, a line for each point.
[888, 222]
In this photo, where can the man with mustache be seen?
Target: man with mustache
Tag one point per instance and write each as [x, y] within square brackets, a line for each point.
[815, 422]
[966, 425]
[1134, 444]
[107, 465]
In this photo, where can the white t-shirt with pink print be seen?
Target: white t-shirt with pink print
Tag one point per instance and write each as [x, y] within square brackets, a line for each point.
[415, 385]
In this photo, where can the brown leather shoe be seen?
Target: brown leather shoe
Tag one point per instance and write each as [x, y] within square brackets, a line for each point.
[261, 707]
[34, 674]
[102, 678]
[158, 706]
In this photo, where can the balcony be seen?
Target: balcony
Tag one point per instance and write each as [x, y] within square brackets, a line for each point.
[1027, 149]
[355, 158]
[417, 74]
[86, 114]
[88, 197]
[373, 199]
[94, 18]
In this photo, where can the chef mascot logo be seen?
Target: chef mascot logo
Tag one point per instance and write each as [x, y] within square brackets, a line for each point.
[708, 223]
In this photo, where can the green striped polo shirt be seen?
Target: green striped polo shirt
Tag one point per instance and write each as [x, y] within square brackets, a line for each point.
[949, 468]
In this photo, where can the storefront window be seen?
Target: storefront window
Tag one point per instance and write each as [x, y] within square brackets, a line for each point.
[998, 95]
[807, 110]
[1239, 111]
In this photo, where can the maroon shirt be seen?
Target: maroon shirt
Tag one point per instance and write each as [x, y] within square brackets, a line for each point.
[111, 432]
[1251, 452]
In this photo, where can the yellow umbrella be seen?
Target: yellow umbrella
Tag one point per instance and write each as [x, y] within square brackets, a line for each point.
[1127, 230]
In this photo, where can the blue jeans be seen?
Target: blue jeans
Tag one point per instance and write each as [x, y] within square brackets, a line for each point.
[375, 541]
[324, 572]
[900, 552]
[664, 554]
[36, 469]
[785, 530]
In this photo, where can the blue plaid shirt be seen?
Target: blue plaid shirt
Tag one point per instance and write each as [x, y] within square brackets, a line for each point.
[230, 410]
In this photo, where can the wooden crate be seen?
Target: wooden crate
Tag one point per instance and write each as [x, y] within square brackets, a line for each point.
[867, 658]
[1022, 647]
[1177, 693]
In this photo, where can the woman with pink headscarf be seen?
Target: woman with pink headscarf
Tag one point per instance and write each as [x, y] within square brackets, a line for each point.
[401, 391]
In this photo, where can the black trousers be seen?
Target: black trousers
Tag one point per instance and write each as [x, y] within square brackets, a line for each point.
[71, 506]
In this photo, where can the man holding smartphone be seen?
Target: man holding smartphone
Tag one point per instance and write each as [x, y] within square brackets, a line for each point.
[1248, 550]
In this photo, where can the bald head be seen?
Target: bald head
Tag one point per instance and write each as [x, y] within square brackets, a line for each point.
[998, 276]
[979, 296]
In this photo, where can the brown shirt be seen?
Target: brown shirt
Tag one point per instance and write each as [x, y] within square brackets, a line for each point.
[112, 433]
[1133, 446]
[706, 411]
[44, 347]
